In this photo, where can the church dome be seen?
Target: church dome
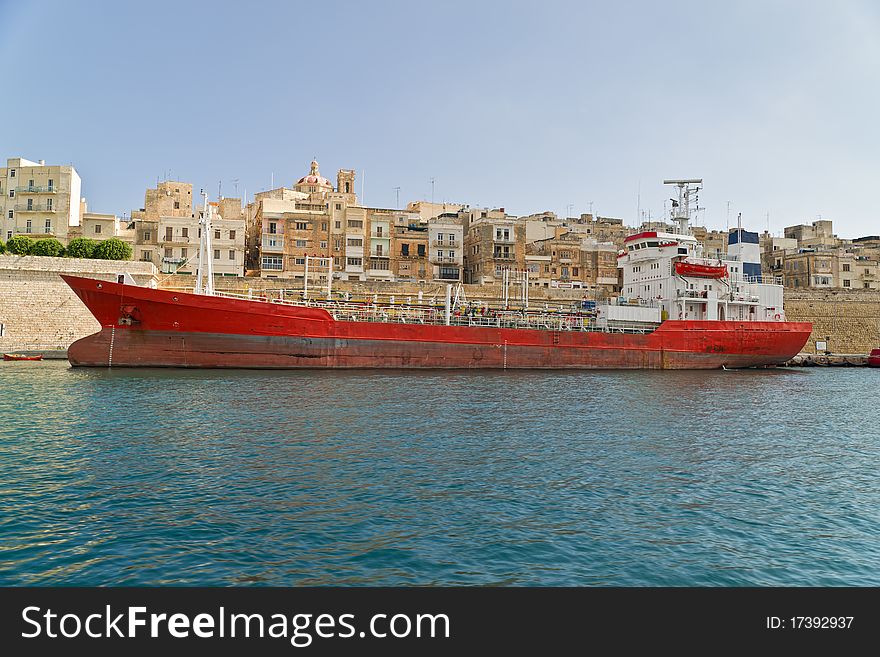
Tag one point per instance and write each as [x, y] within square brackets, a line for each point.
[314, 178]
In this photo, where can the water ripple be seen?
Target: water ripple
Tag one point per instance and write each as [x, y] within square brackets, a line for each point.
[112, 477]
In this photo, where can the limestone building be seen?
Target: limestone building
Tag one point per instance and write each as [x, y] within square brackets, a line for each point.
[39, 200]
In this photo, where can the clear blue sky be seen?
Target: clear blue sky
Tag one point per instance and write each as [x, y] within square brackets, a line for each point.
[529, 106]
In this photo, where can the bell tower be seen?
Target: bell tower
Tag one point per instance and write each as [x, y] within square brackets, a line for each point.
[345, 185]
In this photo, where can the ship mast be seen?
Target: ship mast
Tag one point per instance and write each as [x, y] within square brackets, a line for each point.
[681, 209]
[206, 254]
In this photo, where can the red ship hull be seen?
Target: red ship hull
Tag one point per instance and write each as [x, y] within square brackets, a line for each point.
[142, 327]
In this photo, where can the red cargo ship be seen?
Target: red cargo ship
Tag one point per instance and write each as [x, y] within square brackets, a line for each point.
[678, 310]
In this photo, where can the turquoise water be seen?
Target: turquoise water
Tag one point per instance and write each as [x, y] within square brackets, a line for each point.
[112, 477]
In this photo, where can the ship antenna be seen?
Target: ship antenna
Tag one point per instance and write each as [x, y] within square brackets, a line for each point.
[205, 271]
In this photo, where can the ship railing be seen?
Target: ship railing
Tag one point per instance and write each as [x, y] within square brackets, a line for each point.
[346, 311]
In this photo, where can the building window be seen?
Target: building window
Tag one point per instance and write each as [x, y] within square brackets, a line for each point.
[273, 228]
[11, 193]
[301, 225]
[355, 223]
[439, 254]
[148, 235]
[301, 244]
[378, 231]
[169, 233]
[323, 244]
[48, 226]
[355, 262]
[216, 254]
[352, 241]
[323, 225]
[846, 267]
[420, 250]
[232, 254]
[12, 173]
[404, 249]
[184, 232]
[147, 256]
[337, 244]
[232, 234]
[177, 205]
[51, 185]
[272, 263]
[49, 203]
[216, 234]
[299, 261]
[452, 238]
[169, 253]
[11, 215]
[97, 229]
[846, 283]
[183, 253]
[338, 225]
[27, 228]
[30, 185]
[30, 204]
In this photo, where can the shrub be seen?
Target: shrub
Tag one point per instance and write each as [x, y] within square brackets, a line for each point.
[2, 247]
[47, 246]
[113, 249]
[81, 247]
[20, 245]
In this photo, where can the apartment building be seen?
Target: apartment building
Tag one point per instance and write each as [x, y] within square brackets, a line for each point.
[39, 200]
[446, 235]
[493, 242]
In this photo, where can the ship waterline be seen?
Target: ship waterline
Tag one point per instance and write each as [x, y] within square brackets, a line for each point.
[142, 327]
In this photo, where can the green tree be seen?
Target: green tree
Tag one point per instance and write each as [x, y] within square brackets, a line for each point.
[2, 247]
[48, 246]
[81, 247]
[113, 249]
[20, 245]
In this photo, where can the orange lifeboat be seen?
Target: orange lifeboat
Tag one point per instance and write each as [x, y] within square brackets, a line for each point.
[683, 268]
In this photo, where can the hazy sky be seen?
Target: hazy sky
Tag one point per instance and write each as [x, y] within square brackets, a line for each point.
[529, 106]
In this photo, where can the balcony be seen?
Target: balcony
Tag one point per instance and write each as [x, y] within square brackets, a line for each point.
[499, 239]
[36, 207]
[501, 255]
[380, 236]
[36, 189]
[273, 243]
[449, 277]
[445, 260]
[377, 254]
[446, 244]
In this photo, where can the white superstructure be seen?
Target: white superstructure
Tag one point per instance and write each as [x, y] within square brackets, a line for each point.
[667, 275]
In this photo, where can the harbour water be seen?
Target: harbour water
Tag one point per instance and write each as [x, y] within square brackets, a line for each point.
[145, 477]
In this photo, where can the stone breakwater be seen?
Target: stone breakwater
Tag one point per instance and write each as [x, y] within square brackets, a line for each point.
[847, 321]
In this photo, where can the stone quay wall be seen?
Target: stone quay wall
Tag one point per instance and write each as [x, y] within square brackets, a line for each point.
[39, 312]
[847, 320]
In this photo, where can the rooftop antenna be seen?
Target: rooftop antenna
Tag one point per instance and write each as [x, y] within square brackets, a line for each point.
[272, 184]
[363, 187]
[219, 190]
[397, 192]
[727, 219]
[639, 200]
[235, 185]
[432, 194]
